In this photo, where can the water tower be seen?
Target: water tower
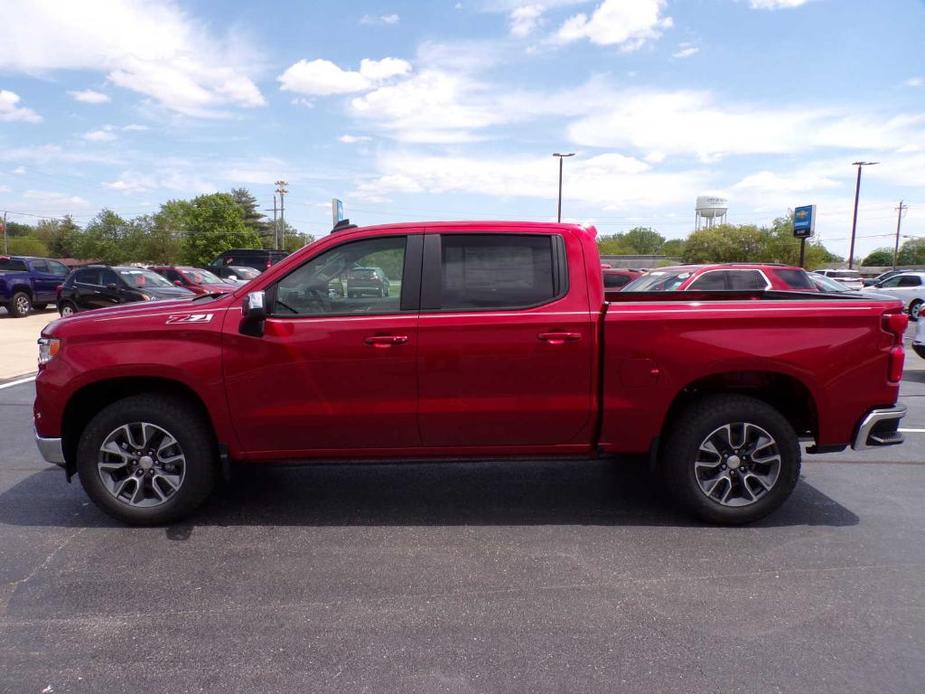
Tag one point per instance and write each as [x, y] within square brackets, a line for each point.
[710, 211]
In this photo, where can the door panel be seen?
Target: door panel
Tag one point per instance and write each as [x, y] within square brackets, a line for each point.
[317, 382]
[507, 377]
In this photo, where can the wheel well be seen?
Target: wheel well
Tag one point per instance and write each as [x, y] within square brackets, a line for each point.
[784, 393]
[90, 399]
[22, 288]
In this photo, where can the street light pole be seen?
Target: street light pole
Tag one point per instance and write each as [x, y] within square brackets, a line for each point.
[561, 157]
[857, 193]
[899, 220]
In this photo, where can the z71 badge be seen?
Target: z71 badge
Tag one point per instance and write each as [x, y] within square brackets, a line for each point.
[190, 318]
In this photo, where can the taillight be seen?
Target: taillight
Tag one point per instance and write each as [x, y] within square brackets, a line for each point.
[896, 324]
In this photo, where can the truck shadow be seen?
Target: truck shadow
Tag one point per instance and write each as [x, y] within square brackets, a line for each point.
[535, 492]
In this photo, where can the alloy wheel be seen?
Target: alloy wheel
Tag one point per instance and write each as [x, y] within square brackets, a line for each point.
[737, 464]
[141, 464]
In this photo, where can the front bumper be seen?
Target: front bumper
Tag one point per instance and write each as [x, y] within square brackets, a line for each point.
[880, 427]
[51, 449]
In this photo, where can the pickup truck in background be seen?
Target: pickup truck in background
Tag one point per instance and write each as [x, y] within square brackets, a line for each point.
[27, 283]
[496, 341]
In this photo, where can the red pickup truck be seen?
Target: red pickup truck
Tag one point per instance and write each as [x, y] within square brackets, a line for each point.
[496, 339]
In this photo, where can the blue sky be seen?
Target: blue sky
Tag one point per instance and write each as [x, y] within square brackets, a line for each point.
[444, 109]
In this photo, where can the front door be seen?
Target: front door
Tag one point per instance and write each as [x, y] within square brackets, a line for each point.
[506, 348]
[333, 372]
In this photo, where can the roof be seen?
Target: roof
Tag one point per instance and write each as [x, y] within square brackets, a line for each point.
[469, 224]
[721, 266]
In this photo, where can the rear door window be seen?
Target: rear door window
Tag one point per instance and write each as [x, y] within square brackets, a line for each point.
[39, 266]
[88, 276]
[746, 279]
[710, 281]
[796, 279]
[496, 271]
[13, 265]
[910, 281]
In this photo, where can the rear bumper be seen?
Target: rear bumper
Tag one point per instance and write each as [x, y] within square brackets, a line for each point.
[51, 449]
[880, 427]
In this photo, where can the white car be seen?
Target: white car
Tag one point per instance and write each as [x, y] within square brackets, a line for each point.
[849, 278]
[918, 342]
[909, 287]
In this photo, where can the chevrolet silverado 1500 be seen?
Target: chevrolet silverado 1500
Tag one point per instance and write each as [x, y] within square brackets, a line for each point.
[496, 339]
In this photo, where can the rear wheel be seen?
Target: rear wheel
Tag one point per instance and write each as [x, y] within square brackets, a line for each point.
[915, 308]
[731, 459]
[20, 305]
[147, 459]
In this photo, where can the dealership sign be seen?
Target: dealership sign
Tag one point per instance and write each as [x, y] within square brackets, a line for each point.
[804, 222]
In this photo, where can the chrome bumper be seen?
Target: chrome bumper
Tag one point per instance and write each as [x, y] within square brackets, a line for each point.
[880, 428]
[51, 449]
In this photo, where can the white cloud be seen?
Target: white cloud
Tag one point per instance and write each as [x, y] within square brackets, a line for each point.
[89, 96]
[525, 19]
[155, 49]
[101, 135]
[354, 139]
[685, 50]
[19, 170]
[914, 82]
[54, 203]
[135, 127]
[381, 19]
[322, 77]
[775, 4]
[11, 111]
[618, 22]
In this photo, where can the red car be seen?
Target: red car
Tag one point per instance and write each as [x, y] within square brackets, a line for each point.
[497, 342]
[195, 279]
[731, 276]
[617, 278]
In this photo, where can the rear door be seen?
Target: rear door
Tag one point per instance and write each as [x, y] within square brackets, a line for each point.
[44, 283]
[87, 288]
[505, 347]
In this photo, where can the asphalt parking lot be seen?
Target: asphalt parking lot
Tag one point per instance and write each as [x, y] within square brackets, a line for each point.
[531, 576]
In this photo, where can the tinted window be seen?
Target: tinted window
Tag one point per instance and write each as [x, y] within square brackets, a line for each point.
[612, 280]
[746, 279]
[56, 268]
[892, 282]
[13, 265]
[496, 271]
[795, 279]
[108, 277]
[910, 281]
[39, 266]
[709, 281]
[88, 276]
[137, 278]
[325, 284]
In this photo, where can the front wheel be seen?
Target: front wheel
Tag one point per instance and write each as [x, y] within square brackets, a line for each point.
[20, 305]
[915, 308]
[147, 459]
[731, 459]
[67, 309]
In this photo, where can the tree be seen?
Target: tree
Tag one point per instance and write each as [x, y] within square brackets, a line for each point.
[783, 247]
[879, 258]
[636, 241]
[18, 229]
[27, 245]
[214, 223]
[60, 235]
[104, 239]
[253, 218]
[673, 248]
[912, 252]
[725, 243]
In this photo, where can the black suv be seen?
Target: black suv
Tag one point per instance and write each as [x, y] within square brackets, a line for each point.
[257, 258]
[99, 286]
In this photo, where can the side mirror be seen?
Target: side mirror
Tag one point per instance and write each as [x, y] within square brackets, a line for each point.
[178, 283]
[254, 311]
[112, 286]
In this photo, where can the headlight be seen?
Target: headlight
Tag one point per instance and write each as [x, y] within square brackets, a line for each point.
[48, 348]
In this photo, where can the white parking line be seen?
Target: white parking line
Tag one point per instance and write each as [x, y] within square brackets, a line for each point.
[17, 382]
[912, 431]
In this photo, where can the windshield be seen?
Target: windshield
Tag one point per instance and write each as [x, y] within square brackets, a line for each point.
[139, 279]
[197, 276]
[658, 281]
[844, 274]
[827, 284]
[242, 272]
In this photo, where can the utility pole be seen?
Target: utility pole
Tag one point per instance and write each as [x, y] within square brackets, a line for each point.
[899, 220]
[282, 190]
[561, 157]
[857, 193]
[6, 246]
[275, 227]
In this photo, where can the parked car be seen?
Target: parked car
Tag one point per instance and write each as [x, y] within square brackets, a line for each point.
[102, 286]
[849, 278]
[239, 274]
[195, 279]
[882, 276]
[500, 343]
[918, 342]
[909, 287]
[258, 258]
[367, 280]
[27, 283]
[827, 284]
[737, 276]
[617, 278]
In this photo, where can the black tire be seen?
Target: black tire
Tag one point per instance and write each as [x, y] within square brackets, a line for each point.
[691, 428]
[193, 434]
[20, 305]
[68, 304]
[914, 309]
[920, 350]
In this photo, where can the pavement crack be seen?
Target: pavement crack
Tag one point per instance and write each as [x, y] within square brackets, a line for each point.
[15, 585]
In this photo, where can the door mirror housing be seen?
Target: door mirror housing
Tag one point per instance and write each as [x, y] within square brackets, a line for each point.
[178, 283]
[254, 311]
[112, 286]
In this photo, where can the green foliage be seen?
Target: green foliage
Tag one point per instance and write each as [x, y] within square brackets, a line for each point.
[636, 241]
[879, 258]
[673, 248]
[214, 223]
[253, 218]
[912, 252]
[27, 245]
[60, 235]
[105, 239]
[14, 229]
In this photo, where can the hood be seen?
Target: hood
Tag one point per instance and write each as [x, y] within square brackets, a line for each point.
[216, 287]
[167, 292]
